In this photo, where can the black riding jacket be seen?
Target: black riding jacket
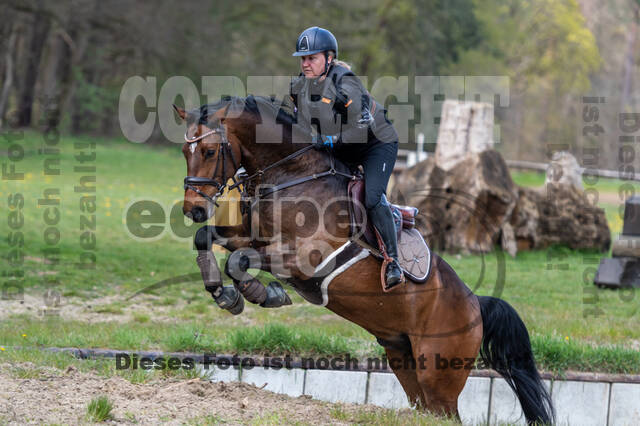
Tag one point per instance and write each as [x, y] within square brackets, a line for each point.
[341, 107]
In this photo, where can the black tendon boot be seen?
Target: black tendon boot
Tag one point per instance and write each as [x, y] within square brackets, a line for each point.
[226, 297]
[273, 296]
[383, 221]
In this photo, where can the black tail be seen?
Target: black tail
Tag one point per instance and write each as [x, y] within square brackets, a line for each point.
[507, 349]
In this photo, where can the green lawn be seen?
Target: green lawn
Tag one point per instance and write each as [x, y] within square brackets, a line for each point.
[126, 172]
[605, 185]
[566, 315]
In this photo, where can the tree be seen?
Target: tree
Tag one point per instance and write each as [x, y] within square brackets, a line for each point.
[549, 54]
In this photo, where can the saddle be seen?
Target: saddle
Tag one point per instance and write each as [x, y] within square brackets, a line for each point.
[414, 255]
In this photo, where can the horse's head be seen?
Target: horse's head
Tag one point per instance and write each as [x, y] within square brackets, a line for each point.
[211, 161]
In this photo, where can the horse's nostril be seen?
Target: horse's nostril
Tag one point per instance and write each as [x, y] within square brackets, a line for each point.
[198, 214]
[189, 214]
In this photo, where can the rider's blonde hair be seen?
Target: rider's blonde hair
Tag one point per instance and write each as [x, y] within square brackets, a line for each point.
[342, 64]
[335, 61]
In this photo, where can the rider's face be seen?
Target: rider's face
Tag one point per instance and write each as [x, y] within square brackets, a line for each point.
[312, 65]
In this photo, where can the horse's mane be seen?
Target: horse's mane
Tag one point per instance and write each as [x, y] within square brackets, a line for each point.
[253, 105]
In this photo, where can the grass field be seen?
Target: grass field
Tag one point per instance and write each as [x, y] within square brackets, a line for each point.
[573, 324]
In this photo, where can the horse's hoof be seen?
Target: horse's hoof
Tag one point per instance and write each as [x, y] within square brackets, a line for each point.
[276, 296]
[230, 299]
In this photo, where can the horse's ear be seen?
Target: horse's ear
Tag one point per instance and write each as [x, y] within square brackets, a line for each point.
[182, 113]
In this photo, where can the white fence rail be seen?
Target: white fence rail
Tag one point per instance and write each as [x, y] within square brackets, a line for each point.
[409, 158]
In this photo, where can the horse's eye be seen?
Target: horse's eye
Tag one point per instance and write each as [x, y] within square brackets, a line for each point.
[210, 153]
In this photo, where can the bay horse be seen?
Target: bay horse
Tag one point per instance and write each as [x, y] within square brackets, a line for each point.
[440, 319]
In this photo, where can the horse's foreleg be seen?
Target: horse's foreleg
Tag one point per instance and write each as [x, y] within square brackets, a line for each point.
[237, 267]
[231, 238]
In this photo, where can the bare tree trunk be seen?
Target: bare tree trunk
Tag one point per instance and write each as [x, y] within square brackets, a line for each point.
[41, 26]
[60, 71]
[8, 72]
[79, 116]
[629, 62]
[69, 49]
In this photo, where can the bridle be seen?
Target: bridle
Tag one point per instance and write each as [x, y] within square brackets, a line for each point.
[192, 182]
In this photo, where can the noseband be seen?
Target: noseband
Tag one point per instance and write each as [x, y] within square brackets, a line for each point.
[193, 182]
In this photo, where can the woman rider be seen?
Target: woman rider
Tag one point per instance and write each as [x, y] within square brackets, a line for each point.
[343, 116]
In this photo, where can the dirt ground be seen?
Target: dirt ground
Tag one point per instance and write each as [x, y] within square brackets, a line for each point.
[62, 397]
[93, 309]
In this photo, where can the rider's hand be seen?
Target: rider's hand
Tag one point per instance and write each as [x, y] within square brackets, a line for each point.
[324, 141]
[366, 119]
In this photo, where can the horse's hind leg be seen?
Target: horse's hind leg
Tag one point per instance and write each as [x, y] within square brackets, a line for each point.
[448, 367]
[406, 374]
[403, 365]
[449, 340]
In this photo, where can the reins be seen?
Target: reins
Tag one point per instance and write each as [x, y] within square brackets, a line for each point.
[331, 172]
[192, 182]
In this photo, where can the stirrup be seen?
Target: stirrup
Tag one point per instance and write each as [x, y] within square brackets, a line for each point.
[386, 287]
[387, 260]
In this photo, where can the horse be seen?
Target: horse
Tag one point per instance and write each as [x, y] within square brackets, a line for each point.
[439, 319]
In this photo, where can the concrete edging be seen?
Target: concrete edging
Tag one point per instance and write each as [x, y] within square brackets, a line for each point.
[84, 353]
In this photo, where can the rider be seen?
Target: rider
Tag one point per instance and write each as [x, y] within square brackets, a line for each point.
[345, 118]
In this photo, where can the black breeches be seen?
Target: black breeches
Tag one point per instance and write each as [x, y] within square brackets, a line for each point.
[378, 164]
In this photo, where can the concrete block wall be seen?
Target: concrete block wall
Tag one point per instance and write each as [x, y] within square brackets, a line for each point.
[576, 402]
[582, 403]
[337, 386]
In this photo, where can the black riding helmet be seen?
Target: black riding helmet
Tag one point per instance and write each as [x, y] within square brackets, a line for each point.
[315, 40]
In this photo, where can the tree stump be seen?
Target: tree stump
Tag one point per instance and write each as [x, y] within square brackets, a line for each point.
[468, 201]
[558, 214]
[463, 208]
[564, 170]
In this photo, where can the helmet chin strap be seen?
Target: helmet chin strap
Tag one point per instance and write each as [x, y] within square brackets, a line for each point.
[326, 64]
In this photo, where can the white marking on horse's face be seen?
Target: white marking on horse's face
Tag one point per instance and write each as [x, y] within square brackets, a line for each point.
[192, 147]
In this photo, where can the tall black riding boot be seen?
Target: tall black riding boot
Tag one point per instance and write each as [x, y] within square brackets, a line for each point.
[383, 221]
